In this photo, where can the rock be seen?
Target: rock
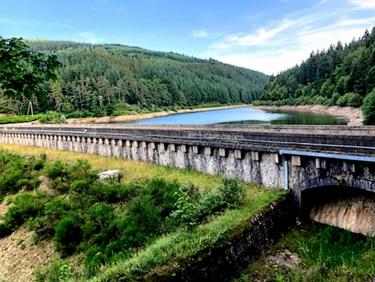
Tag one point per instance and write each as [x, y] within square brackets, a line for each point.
[285, 259]
[110, 175]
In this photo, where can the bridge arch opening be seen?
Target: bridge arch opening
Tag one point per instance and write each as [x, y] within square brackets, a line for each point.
[348, 208]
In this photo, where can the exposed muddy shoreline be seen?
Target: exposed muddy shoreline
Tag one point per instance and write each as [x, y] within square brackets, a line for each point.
[353, 115]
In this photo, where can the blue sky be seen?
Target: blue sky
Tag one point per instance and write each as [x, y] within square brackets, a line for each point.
[266, 35]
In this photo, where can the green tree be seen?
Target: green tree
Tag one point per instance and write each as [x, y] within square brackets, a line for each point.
[368, 108]
[22, 71]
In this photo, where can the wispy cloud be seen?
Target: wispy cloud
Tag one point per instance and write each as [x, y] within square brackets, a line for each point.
[200, 33]
[259, 37]
[279, 45]
[364, 4]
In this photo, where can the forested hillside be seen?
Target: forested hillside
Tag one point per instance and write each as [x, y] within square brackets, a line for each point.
[115, 79]
[341, 75]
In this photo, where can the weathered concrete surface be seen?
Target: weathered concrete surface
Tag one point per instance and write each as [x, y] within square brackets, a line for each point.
[356, 214]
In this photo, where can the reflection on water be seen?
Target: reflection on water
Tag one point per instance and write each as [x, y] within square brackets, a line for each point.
[243, 115]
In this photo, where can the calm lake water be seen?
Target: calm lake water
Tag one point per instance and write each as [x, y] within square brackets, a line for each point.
[243, 115]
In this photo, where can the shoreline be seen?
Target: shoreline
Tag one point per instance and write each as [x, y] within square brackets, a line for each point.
[134, 117]
[354, 116]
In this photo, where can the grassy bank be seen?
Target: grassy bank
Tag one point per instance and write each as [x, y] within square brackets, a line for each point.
[167, 252]
[155, 218]
[132, 170]
[327, 254]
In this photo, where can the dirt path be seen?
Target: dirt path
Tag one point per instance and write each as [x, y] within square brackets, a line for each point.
[20, 257]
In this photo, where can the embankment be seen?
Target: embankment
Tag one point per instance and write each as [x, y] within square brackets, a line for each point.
[231, 254]
[353, 115]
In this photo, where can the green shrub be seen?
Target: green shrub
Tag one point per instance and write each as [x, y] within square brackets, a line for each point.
[44, 224]
[79, 114]
[19, 118]
[369, 108]
[192, 209]
[18, 173]
[115, 192]
[52, 117]
[58, 174]
[97, 220]
[57, 271]
[350, 100]
[78, 176]
[25, 206]
[334, 99]
[68, 234]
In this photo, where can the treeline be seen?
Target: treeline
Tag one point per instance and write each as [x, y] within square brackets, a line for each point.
[115, 79]
[342, 75]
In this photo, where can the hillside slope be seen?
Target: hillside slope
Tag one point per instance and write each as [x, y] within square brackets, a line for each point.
[104, 79]
[341, 75]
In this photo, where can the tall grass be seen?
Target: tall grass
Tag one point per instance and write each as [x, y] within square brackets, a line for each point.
[327, 253]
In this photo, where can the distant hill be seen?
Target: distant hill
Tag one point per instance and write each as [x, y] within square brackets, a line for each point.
[341, 75]
[107, 78]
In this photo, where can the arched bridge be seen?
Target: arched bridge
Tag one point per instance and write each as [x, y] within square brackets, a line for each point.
[289, 157]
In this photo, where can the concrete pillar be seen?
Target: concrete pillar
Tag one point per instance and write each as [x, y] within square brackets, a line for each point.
[222, 152]
[183, 148]
[317, 163]
[296, 160]
[255, 156]
[161, 147]
[195, 149]
[207, 151]
[276, 158]
[238, 154]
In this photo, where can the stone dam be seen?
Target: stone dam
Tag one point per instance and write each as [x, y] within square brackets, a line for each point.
[314, 162]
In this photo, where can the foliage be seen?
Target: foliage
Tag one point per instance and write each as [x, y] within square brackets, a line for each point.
[25, 206]
[97, 80]
[58, 271]
[68, 234]
[327, 77]
[350, 100]
[327, 253]
[17, 173]
[192, 208]
[369, 108]
[19, 118]
[110, 222]
[52, 117]
[64, 177]
[173, 248]
[22, 71]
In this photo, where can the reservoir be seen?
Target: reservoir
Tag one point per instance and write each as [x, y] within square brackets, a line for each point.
[243, 115]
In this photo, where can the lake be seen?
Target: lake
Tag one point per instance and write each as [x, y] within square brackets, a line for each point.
[244, 115]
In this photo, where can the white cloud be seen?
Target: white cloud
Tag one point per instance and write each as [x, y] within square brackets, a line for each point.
[280, 45]
[260, 36]
[274, 59]
[200, 33]
[364, 4]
